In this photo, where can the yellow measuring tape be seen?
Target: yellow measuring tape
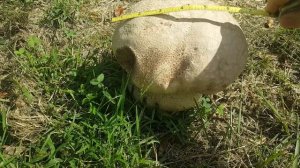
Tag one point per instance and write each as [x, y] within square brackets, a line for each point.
[230, 9]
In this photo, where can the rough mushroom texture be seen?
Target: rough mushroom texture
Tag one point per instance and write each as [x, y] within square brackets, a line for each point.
[177, 57]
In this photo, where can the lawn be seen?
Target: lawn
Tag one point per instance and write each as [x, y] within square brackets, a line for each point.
[64, 100]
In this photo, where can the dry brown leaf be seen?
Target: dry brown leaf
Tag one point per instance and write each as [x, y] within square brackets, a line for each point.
[3, 95]
[119, 11]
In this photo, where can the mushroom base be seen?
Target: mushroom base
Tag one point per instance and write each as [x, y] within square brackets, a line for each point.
[168, 102]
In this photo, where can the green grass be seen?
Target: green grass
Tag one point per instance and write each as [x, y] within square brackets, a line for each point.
[64, 100]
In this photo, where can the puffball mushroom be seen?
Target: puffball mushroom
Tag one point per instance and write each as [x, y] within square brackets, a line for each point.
[176, 57]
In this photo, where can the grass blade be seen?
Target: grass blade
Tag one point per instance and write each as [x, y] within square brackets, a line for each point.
[297, 148]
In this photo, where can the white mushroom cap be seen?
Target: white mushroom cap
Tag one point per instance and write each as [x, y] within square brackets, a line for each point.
[179, 56]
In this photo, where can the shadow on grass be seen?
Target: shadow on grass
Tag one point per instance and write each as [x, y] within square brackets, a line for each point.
[112, 125]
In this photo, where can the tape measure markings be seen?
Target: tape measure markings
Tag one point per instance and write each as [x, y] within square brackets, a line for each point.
[230, 9]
